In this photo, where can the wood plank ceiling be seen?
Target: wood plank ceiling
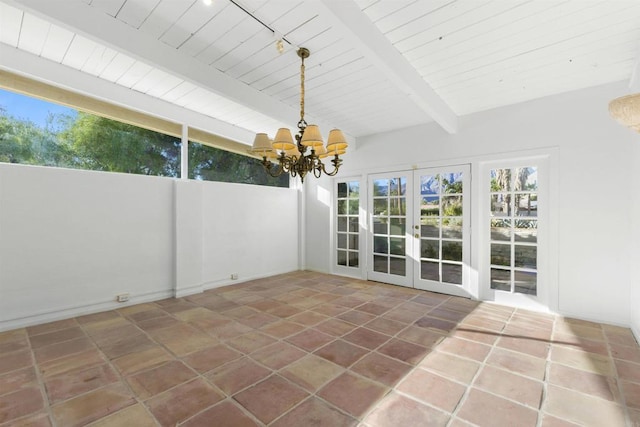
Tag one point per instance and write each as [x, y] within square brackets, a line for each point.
[376, 65]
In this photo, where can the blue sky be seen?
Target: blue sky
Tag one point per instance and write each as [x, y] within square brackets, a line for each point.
[32, 109]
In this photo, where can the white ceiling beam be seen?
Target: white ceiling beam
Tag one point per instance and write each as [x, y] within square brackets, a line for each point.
[90, 22]
[634, 82]
[358, 29]
[46, 71]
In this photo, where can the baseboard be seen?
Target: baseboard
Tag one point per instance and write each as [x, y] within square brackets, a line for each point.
[358, 274]
[228, 282]
[188, 290]
[81, 310]
[636, 332]
[590, 317]
[98, 306]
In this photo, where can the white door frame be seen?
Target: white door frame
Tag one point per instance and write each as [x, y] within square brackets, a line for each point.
[479, 270]
[545, 298]
[464, 289]
[360, 271]
[407, 278]
[412, 236]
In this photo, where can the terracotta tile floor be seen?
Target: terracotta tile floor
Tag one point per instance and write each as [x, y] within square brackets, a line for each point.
[307, 349]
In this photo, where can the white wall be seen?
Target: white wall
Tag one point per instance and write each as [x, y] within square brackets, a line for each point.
[71, 240]
[317, 199]
[188, 237]
[594, 168]
[249, 230]
[635, 252]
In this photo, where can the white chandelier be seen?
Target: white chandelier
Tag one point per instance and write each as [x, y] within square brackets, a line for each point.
[291, 157]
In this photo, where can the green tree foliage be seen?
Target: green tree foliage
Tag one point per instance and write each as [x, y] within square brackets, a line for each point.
[21, 141]
[15, 147]
[108, 145]
[211, 164]
[91, 142]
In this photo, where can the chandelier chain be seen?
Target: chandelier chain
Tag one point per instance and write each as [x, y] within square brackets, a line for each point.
[292, 158]
[302, 92]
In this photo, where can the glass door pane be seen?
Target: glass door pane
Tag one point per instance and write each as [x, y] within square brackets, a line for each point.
[390, 245]
[514, 230]
[441, 218]
[347, 224]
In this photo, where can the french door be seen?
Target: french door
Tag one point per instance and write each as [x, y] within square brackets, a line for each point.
[516, 269]
[389, 243]
[419, 229]
[441, 230]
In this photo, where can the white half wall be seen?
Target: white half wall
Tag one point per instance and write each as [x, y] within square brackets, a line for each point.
[247, 230]
[71, 240]
[593, 185]
[188, 235]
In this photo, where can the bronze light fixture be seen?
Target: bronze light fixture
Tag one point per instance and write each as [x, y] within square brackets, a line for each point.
[292, 157]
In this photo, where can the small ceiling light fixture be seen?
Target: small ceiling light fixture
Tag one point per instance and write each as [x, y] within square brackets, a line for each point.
[292, 157]
[279, 46]
[626, 110]
[207, 2]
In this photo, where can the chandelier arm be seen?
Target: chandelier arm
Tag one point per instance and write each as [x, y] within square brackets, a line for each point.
[336, 161]
[318, 166]
[273, 172]
[302, 164]
[284, 165]
[333, 173]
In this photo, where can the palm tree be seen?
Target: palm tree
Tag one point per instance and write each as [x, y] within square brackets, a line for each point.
[501, 183]
[522, 175]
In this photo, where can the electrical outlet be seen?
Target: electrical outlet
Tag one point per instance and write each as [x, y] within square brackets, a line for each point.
[234, 276]
[122, 297]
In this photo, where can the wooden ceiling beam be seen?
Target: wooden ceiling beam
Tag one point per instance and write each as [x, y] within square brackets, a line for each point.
[90, 22]
[358, 29]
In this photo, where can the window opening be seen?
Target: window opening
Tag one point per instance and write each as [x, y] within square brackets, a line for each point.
[208, 163]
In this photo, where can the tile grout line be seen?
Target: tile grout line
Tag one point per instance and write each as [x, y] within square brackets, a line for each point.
[348, 368]
[121, 315]
[370, 351]
[623, 400]
[311, 353]
[121, 378]
[273, 372]
[246, 293]
[617, 400]
[230, 398]
[547, 374]
[465, 395]
[41, 383]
